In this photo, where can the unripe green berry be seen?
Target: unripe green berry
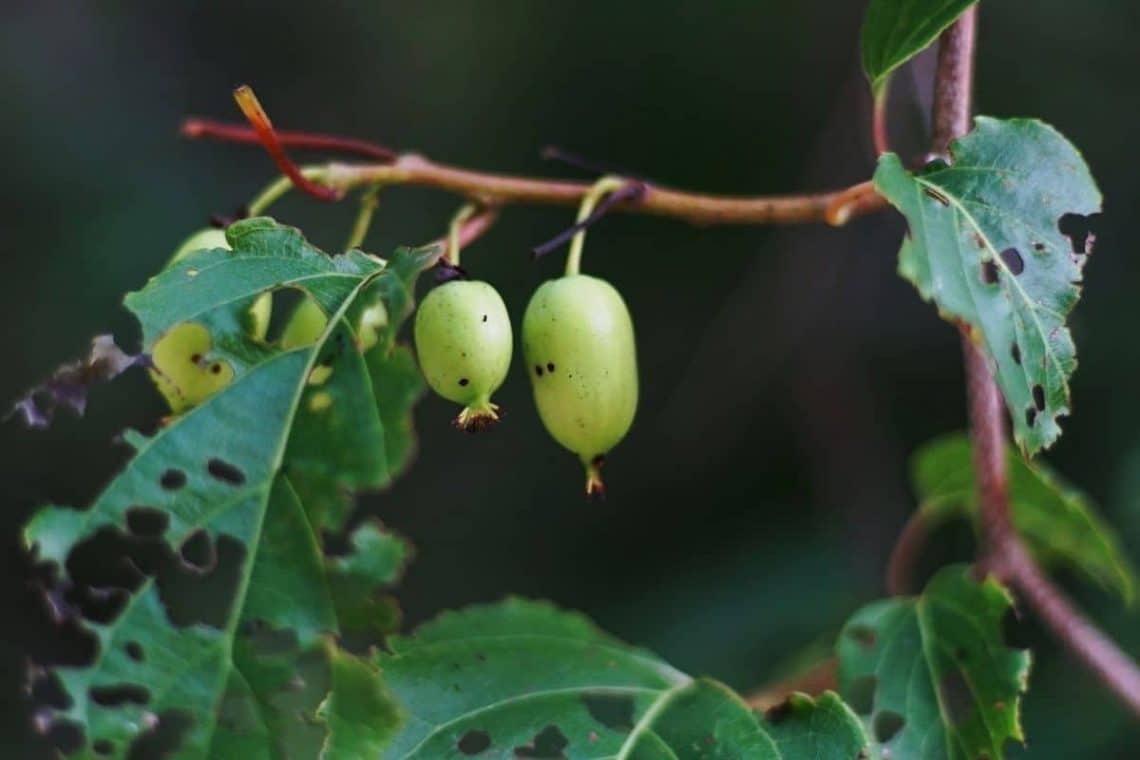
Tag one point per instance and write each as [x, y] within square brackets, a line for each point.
[463, 340]
[581, 357]
[183, 371]
[212, 237]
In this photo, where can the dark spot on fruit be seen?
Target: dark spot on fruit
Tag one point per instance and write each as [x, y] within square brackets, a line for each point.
[463, 381]
[172, 479]
[614, 711]
[473, 742]
[196, 358]
[886, 724]
[119, 694]
[225, 472]
[538, 370]
[547, 743]
[1039, 398]
[1039, 247]
[989, 272]
[1030, 416]
[147, 522]
[1015, 352]
[216, 368]
[484, 317]
[550, 366]
[134, 650]
[1013, 260]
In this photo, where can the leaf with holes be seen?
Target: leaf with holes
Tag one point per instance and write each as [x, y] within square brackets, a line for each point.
[931, 673]
[522, 677]
[1059, 523]
[224, 623]
[986, 241]
[894, 31]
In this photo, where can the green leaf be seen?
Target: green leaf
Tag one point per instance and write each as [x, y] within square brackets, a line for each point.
[359, 712]
[932, 673]
[212, 495]
[522, 677]
[1059, 523]
[376, 561]
[984, 243]
[894, 31]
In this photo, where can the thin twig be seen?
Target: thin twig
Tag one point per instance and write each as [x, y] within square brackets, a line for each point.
[835, 208]
[905, 554]
[630, 191]
[1005, 554]
[880, 130]
[208, 129]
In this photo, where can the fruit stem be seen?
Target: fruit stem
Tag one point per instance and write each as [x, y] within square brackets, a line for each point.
[600, 189]
[369, 201]
[595, 486]
[274, 191]
[454, 238]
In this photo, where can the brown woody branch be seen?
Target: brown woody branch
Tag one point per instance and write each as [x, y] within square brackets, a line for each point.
[1004, 553]
[835, 207]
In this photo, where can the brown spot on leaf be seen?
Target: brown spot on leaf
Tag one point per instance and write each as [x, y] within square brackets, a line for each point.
[547, 744]
[886, 724]
[1013, 260]
[473, 742]
[956, 696]
[614, 711]
[932, 193]
[222, 470]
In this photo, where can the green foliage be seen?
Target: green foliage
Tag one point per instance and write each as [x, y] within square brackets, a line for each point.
[894, 31]
[932, 674]
[220, 496]
[985, 243]
[1059, 523]
[523, 677]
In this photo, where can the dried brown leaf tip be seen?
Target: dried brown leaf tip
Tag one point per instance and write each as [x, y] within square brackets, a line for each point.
[67, 387]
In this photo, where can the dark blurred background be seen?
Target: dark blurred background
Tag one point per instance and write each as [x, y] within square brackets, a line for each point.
[786, 373]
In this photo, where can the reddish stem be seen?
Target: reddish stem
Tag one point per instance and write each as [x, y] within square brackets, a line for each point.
[880, 132]
[259, 120]
[198, 129]
[1005, 553]
[472, 229]
[905, 554]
